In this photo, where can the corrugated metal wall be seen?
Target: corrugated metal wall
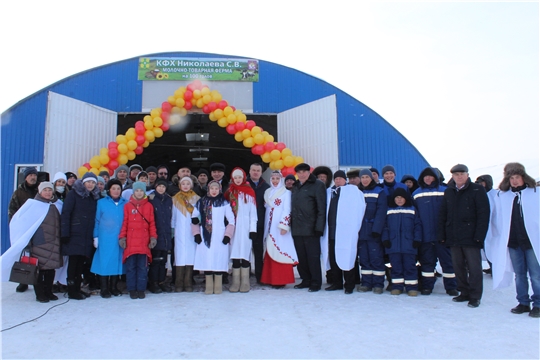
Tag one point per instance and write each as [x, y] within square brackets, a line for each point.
[364, 137]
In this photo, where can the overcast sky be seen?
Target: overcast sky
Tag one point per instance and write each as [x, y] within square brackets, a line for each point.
[460, 80]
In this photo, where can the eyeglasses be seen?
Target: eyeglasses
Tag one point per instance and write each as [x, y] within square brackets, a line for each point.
[163, 173]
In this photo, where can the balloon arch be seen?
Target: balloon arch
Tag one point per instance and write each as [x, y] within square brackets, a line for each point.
[194, 95]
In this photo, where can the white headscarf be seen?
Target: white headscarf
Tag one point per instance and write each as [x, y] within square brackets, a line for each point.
[273, 189]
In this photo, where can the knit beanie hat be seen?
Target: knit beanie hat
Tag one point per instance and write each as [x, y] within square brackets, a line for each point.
[388, 168]
[163, 182]
[101, 180]
[59, 176]
[139, 185]
[366, 172]
[43, 185]
[120, 168]
[290, 177]
[104, 172]
[89, 176]
[30, 171]
[341, 174]
[151, 169]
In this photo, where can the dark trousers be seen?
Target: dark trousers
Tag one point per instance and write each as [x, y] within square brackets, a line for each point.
[157, 271]
[258, 252]
[468, 268]
[371, 254]
[428, 253]
[136, 272]
[76, 266]
[337, 274]
[308, 249]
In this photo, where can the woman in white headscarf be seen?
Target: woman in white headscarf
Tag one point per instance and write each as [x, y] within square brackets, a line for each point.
[280, 255]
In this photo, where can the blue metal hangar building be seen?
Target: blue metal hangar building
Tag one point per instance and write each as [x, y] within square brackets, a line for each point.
[62, 126]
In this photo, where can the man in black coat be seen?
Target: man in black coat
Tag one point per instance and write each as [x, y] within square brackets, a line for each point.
[463, 225]
[259, 186]
[308, 219]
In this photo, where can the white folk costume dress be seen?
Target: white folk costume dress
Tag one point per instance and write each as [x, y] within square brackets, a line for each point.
[280, 255]
[350, 212]
[211, 254]
[242, 201]
[184, 246]
[22, 227]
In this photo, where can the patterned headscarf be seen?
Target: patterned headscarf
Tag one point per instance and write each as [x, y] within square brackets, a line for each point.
[184, 201]
[205, 206]
[233, 192]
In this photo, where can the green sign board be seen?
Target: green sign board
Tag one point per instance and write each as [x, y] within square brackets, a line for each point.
[186, 69]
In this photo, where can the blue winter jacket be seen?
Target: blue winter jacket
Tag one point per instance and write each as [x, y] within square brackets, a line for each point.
[375, 215]
[428, 201]
[403, 225]
[390, 188]
[162, 215]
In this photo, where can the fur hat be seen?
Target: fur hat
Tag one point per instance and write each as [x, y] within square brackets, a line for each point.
[326, 171]
[302, 167]
[353, 173]
[515, 169]
[217, 167]
[112, 182]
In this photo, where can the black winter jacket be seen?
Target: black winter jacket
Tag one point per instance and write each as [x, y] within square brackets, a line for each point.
[308, 207]
[464, 215]
[259, 189]
[162, 215]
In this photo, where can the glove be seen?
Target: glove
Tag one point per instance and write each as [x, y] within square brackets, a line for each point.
[375, 235]
[198, 238]
[387, 244]
[226, 240]
[96, 242]
[318, 233]
[122, 243]
[253, 236]
[416, 244]
[153, 243]
[195, 221]
[64, 239]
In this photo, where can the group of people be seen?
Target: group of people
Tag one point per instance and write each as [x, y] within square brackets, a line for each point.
[364, 229]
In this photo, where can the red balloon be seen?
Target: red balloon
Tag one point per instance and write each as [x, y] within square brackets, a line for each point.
[140, 130]
[111, 171]
[113, 164]
[280, 146]
[113, 145]
[206, 109]
[188, 105]
[197, 84]
[165, 126]
[250, 124]
[269, 146]
[257, 149]
[222, 104]
[212, 106]
[138, 150]
[287, 171]
[166, 106]
[233, 108]
[240, 126]
[191, 87]
[139, 123]
[87, 165]
[113, 154]
[164, 116]
[140, 139]
[231, 129]
[188, 95]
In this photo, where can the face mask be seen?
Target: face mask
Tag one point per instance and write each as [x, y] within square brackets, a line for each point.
[60, 189]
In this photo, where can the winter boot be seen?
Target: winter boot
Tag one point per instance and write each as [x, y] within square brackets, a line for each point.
[180, 277]
[244, 279]
[209, 284]
[165, 287]
[49, 281]
[113, 286]
[154, 288]
[39, 289]
[74, 290]
[104, 282]
[188, 274]
[218, 286]
[21, 288]
[235, 286]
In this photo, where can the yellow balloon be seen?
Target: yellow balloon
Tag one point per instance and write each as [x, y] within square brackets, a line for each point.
[103, 168]
[122, 159]
[231, 119]
[286, 152]
[103, 151]
[174, 110]
[266, 157]
[246, 133]
[228, 111]
[94, 162]
[238, 136]
[216, 96]
[197, 94]
[146, 144]
[205, 91]
[278, 164]
[171, 100]
[298, 160]
[122, 148]
[241, 117]
[121, 139]
[149, 125]
[158, 132]
[147, 118]
[200, 103]
[82, 170]
[222, 122]
[183, 112]
[265, 134]
[268, 138]
[180, 102]
[180, 91]
[248, 142]
[149, 135]
[275, 154]
[155, 112]
[157, 121]
[272, 165]
[104, 159]
[131, 155]
[94, 170]
[258, 139]
[212, 117]
[132, 145]
[288, 161]
[207, 98]
[218, 113]
[255, 130]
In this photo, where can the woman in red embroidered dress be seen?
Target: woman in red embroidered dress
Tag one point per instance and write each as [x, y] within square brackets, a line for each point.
[280, 255]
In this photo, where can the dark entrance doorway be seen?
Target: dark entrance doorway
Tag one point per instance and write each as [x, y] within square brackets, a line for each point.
[175, 150]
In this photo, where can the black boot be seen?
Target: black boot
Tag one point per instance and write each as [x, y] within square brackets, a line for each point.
[21, 288]
[113, 286]
[48, 285]
[104, 281]
[39, 289]
[74, 290]
[154, 288]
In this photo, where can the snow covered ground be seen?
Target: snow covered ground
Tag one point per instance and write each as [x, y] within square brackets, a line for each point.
[269, 323]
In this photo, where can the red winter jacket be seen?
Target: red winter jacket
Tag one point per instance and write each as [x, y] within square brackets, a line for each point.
[136, 229]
